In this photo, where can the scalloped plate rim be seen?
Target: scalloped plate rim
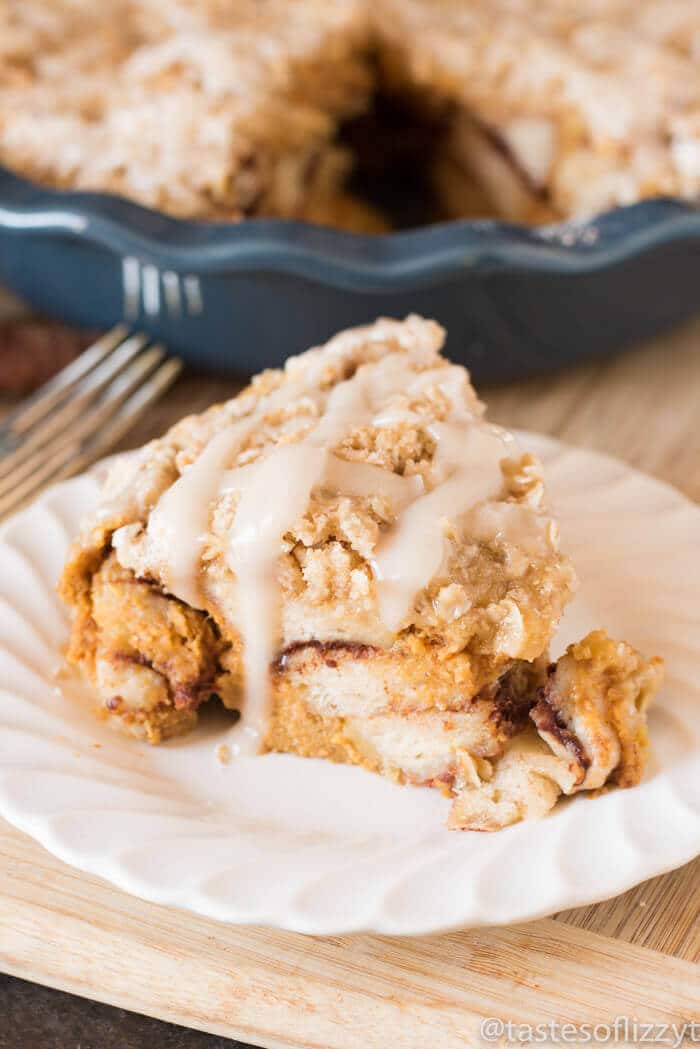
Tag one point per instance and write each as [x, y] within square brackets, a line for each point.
[281, 913]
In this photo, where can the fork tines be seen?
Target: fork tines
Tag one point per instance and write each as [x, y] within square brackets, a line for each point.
[80, 414]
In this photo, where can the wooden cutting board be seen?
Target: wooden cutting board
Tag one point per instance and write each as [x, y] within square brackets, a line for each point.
[635, 956]
[630, 957]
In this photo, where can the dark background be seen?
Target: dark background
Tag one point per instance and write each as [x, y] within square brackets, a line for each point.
[34, 1017]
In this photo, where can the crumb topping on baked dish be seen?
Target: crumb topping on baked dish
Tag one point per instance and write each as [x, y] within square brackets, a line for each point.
[559, 108]
[527, 109]
[200, 108]
[351, 555]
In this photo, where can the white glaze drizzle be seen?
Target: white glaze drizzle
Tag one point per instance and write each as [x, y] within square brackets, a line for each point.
[273, 494]
[178, 523]
[411, 553]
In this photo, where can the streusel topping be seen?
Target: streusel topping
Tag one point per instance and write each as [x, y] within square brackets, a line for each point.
[217, 110]
[197, 107]
[358, 493]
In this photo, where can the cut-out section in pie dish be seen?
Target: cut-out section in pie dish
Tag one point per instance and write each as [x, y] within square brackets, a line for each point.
[350, 557]
[531, 110]
[324, 848]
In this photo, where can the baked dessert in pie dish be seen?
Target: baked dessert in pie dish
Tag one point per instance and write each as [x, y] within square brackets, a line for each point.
[350, 556]
[528, 111]
[189, 157]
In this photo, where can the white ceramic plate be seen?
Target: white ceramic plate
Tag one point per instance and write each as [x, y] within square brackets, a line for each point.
[319, 848]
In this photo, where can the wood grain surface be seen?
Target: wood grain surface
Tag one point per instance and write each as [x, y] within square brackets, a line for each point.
[282, 989]
[636, 955]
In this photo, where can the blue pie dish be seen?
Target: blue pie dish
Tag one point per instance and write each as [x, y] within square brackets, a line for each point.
[238, 297]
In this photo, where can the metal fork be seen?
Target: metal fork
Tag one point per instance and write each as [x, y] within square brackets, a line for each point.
[80, 414]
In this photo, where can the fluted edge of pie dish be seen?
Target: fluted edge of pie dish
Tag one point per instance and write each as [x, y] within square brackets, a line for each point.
[498, 287]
